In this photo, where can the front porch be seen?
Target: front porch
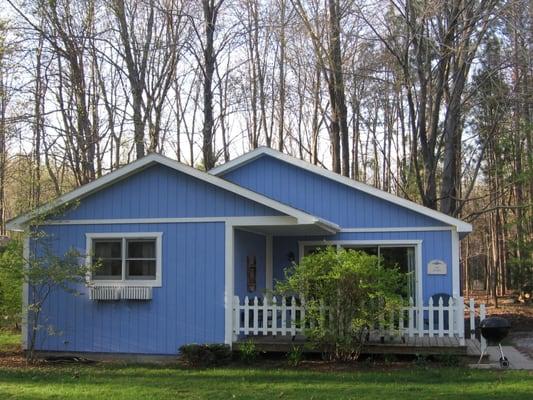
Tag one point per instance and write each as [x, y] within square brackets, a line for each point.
[274, 324]
[435, 320]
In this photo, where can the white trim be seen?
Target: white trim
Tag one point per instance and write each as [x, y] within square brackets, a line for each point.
[398, 229]
[238, 221]
[417, 244]
[151, 159]
[25, 293]
[456, 276]
[229, 284]
[269, 268]
[158, 236]
[248, 157]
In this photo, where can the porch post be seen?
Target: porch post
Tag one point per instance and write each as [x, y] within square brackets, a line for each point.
[456, 279]
[229, 283]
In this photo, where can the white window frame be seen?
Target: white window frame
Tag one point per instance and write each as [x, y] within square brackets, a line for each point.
[417, 244]
[158, 236]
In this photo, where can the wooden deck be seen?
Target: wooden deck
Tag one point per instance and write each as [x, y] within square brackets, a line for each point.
[390, 345]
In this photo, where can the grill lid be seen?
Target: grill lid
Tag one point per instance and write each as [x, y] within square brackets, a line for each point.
[495, 322]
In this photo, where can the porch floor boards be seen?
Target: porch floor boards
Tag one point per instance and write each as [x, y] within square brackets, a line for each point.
[391, 345]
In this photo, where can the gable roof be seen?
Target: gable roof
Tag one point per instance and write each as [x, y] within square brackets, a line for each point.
[153, 159]
[460, 225]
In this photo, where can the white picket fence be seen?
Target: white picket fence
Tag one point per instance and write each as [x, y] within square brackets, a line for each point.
[282, 316]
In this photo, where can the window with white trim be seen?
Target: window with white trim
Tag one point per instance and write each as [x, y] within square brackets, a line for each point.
[399, 256]
[126, 258]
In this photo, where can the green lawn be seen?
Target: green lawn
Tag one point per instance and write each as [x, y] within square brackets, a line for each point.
[112, 381]
[106, 381]
[9, 341]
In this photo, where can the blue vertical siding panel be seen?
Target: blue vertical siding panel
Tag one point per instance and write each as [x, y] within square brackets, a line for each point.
[189, 307]
[249, 244]
[159, 192]
[323, 197]
[281, 247]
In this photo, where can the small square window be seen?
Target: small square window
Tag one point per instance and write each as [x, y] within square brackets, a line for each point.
[126, 259]
[140, 269]
[108, 255]
[141, 248]
[108, 249]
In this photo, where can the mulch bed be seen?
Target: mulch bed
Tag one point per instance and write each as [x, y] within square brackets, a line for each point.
[520, 315]
[13, 359]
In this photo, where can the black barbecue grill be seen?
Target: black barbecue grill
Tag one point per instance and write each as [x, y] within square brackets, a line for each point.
[494, 330]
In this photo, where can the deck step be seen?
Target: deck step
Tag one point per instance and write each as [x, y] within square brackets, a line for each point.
[411, 346]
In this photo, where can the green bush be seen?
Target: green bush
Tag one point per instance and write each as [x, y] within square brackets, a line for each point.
[295, 356]
[248, 351]
[205, 355]
[346, 292]
[11, 276]
[448, 360]
[421, 360]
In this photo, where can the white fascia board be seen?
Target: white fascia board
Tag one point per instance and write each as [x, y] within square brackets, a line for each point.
[151, 159]
[248, 157]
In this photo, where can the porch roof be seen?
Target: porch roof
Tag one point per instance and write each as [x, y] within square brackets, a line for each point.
[287, 226]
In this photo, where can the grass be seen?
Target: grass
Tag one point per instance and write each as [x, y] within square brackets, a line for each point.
[9, 340]
[111, 381]
[116, 381]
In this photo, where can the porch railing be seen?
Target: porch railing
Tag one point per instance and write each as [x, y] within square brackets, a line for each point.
[283, 316]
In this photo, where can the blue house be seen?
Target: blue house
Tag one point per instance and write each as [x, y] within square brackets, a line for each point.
[188, 256]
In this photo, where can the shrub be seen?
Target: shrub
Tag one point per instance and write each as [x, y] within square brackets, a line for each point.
[204, 355]
[11, 263]
[421, 360]
[346, 292]
[248, 352]
[390, 358]
[295, 356]
[448, 360]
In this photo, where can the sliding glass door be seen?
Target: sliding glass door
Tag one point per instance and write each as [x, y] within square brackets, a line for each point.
[400, 256]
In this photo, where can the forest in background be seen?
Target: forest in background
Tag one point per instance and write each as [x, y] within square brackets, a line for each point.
[429, 100]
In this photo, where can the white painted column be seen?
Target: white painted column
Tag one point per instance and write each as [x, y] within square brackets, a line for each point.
[419, 275]
[456, 273]
[269, 273]
[229, 283]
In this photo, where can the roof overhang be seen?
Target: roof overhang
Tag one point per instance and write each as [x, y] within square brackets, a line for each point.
[286, 226]
[460, 226]
[21, 222]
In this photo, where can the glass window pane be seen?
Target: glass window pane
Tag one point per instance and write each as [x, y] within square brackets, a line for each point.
[107, 248]
[370, 250]
[395, 257]
[140, 269]
[141, 248]
[313, 249]
[404, 259]
[108, 269]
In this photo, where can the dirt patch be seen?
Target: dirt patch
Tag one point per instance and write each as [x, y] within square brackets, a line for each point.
[12, 359]
[520, 315]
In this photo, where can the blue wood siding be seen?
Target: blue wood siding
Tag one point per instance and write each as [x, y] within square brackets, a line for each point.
[435, 245]
[249, 244]
[188, 308]
[323, 197]
[159, 192]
